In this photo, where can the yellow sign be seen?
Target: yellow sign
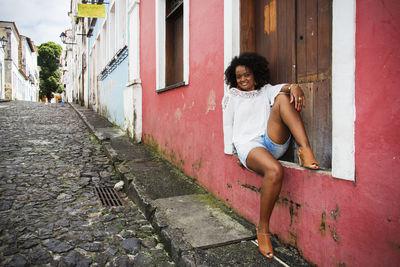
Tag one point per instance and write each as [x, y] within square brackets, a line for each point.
[91, 11]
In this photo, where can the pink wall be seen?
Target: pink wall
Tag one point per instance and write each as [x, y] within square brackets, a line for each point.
[331, 221]
[378, 124]
[186, 122]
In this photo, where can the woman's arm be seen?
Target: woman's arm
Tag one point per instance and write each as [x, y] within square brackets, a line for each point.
[296, 95]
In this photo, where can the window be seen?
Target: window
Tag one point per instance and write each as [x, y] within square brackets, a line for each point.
[104, 45]
[295, 37]
[112, 32]
[91, 75]
[97, 69]
[122, 37]
[172, 40]
[134, 43]
[343, 77]
[174, 43]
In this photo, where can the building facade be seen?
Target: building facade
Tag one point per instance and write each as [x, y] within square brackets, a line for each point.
[28, 68]
[75, 61]
[103, 77]
[167, 92]
[21, 74]
[2, 71]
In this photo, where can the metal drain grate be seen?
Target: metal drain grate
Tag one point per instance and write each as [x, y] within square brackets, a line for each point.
[108, 196]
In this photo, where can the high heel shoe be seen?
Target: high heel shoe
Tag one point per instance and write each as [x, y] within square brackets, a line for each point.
[264, 245]
[307, 159]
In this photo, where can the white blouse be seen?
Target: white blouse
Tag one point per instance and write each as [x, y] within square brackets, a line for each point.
[246, 114]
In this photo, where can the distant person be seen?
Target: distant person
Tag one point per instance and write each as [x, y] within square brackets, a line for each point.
[258, 122]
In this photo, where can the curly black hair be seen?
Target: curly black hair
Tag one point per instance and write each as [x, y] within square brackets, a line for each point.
[255, 62]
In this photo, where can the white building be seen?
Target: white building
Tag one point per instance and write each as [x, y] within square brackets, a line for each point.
[65, 75]
[29, 89]
[75, 58]
[2, 78]
[21, 75]
[104, 69]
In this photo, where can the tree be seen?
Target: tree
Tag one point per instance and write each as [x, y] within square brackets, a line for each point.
[48, 60]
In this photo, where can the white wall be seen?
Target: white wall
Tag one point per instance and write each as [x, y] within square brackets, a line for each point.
[135, 86]
[2, 74]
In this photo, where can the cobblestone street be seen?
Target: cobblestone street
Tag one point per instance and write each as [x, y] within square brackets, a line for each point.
[50, 214]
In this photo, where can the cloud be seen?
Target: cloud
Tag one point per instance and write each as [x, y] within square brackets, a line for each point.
[40, 20]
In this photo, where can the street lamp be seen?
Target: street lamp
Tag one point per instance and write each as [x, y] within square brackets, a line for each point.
[3, 42]
[63, 38]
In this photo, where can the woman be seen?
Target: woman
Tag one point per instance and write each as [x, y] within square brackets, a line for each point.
[259, 120]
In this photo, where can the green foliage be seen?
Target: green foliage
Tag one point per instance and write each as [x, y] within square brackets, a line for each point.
[60, 89]
[48, 60]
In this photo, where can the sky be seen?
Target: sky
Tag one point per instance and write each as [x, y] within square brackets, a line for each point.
[40, 20]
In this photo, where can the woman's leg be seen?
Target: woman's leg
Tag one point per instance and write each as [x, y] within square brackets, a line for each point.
[262, 162]
[285, 119]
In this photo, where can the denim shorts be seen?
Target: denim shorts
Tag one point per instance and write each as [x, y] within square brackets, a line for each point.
[277, 150]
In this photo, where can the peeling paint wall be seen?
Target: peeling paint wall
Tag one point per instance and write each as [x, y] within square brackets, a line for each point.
[332, 222]
[133, 112]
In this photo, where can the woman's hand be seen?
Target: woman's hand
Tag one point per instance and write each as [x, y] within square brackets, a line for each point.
[297, 95]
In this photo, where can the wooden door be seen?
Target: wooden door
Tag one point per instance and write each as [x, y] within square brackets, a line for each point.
[296, 36]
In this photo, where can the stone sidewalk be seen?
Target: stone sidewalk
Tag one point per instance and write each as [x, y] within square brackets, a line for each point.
[50, 213]
[196, 228]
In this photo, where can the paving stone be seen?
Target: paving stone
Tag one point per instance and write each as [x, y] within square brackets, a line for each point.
[39, 256]
[92, 247]
[6, 205]
[131, 245]
[10, 250]
[17, 261]
[149, 242]
[101, 258]
[57, 246]
[122, 261]
[29, 244]
[142, 260]
[75, 258]
[62, 223]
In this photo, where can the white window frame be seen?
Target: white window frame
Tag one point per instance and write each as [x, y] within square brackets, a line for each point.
[98, 67]
[160, 43]
[122, 15]
[343, 77]
[103, 39]
[91, 73]
[112, 31]
[98, 54]
[91, 66]
[134, 42]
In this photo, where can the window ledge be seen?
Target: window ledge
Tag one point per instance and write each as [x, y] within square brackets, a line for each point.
[177, 85]
[134, 82]
[113, 63]
[292, 165]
